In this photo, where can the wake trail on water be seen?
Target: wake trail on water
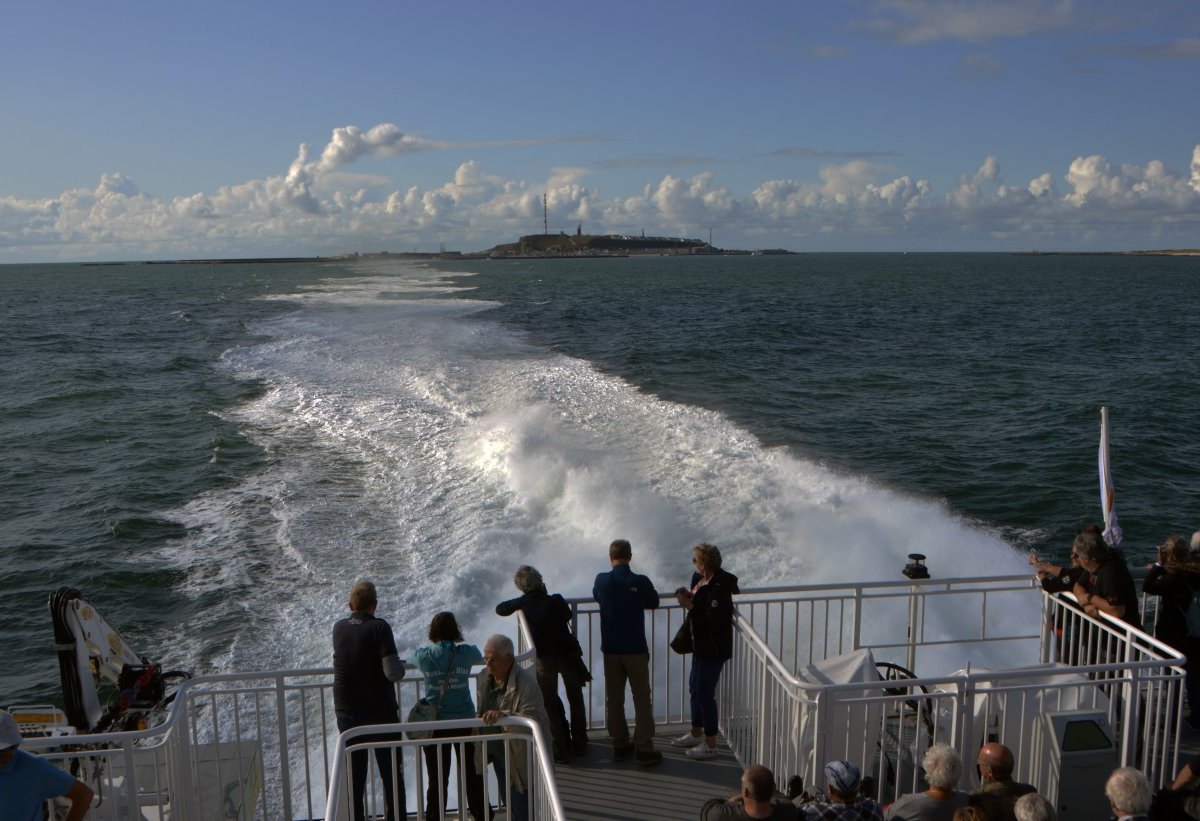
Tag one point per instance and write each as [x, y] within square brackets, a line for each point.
[410, 439]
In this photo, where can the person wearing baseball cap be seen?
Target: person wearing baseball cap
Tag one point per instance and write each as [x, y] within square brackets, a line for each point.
[842, 780]
[28, 781]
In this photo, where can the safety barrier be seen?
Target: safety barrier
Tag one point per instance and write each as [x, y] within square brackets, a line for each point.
[265, 745]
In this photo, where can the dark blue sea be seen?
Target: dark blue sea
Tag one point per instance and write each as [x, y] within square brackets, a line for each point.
[214, 453]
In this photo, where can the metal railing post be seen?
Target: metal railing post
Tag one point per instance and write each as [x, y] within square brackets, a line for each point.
[285, 770]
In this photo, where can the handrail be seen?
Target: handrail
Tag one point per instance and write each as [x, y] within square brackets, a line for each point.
[289, 713]
[338, 773]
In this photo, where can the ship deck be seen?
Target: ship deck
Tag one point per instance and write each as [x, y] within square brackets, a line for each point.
[596, 786]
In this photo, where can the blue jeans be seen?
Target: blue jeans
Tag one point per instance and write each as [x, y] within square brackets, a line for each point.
[702, 685]
[394, 805]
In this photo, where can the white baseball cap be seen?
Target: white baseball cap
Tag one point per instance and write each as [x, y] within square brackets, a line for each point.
[10, 736]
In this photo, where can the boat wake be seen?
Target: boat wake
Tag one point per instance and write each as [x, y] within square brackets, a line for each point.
[409, 438]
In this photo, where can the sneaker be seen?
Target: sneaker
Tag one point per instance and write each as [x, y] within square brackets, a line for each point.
[648, 758]
[622, 751]
[688, 740]
[702, 752]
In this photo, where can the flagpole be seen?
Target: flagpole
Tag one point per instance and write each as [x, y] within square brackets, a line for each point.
[1112, 527]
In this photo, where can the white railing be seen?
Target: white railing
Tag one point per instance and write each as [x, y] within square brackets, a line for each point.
[792, 725]
[265, 745]
[258, 745]
[541, 791]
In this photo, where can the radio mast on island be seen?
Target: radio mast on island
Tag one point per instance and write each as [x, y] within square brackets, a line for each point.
[545, 221]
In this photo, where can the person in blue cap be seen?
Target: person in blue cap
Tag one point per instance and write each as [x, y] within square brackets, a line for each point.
[842, 780]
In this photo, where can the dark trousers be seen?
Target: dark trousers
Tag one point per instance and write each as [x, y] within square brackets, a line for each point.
[437, 768]
[549, 668]
[517, 802]
[395, 802]
[702, 685]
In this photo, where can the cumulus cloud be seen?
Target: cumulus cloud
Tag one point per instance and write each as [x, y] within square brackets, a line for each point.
[850, 202]
[349, 143]
[974, 21]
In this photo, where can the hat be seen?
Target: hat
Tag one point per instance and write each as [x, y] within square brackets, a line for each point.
[843, 776]
[10, 736]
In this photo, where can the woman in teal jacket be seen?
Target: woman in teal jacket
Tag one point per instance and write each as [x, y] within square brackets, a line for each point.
[447, 655]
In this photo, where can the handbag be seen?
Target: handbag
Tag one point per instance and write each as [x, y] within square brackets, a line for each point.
[682, 643]
[425, 710]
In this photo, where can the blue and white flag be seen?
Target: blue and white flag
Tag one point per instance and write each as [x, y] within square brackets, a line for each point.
[1112, 528]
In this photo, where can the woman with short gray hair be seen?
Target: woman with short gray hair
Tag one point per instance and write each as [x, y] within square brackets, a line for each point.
[558, 654]
[943, 769]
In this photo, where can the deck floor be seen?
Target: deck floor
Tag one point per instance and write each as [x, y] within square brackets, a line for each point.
[594, 786]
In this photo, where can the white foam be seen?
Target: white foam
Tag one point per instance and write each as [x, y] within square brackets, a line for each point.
[411, 441]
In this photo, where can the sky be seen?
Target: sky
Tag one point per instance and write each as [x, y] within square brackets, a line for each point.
[139, 130]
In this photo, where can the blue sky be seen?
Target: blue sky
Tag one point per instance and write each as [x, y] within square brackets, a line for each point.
[158, 130]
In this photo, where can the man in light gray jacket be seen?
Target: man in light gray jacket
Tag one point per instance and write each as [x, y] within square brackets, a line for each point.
[509, 690]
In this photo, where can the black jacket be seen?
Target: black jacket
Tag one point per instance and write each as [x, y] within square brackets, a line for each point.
[549, 619]
[1176, 589]
[711, 617]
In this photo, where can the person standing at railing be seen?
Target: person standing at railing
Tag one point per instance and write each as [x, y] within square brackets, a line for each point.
[709, 605]
[446, 665]
[624, 597]
[28, 781]
[1057, 579]
[365, 665]
[1175, 579]
[509, 690]
[558, 654]
[1107, 586]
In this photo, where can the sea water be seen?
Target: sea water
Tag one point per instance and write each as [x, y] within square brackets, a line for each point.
[214, 453]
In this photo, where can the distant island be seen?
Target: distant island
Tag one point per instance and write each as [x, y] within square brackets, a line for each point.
[594, 246]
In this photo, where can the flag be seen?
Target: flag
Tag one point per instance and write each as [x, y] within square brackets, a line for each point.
[1112, 528]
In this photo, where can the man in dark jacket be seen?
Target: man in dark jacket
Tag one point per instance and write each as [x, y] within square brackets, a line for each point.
[999, 792]
[624, 596]
[558, 654]
[365, 664]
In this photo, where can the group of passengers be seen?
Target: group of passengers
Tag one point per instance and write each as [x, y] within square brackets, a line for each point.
[1101, 582]
[366, 665]
[847, 795]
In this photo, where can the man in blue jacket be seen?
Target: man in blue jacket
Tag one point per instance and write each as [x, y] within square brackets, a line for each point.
[624, 596]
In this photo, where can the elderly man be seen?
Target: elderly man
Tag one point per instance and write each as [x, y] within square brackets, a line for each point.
[509, 690]
[758, 799]
[842, 780]
[365, 665]
[1128, 792]
[999, 792]
[1032, 807]
[28, 781]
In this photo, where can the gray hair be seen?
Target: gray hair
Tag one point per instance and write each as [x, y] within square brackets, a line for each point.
[1032, 807]
[1091, 546]
[943, 766]
[1128, 790]
[1196, 542]
[527, 579]
[502, 645]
